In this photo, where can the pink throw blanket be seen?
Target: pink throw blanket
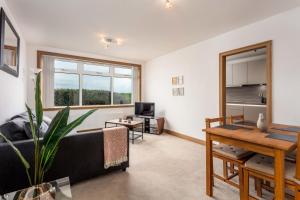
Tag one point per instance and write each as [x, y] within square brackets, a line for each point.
[115, 146]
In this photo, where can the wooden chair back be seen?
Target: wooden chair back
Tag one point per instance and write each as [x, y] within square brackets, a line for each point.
[210, 121]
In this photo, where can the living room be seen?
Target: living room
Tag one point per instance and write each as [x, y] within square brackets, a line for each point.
[152, 66]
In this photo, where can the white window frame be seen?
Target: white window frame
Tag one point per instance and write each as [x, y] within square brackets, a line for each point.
[80, 71]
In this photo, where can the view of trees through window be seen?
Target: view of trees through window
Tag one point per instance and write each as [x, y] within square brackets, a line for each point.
[96, 90]
[83, 84]
[66, 89]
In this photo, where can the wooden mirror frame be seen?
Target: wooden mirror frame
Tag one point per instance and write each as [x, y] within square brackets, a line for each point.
[3, 66]
[222, 76]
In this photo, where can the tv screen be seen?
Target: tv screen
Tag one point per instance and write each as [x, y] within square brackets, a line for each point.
[144, 109]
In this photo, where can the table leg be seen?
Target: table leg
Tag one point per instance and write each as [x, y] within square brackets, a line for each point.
[142, 131]
[209, 166]
[132, 134]
[279, 176]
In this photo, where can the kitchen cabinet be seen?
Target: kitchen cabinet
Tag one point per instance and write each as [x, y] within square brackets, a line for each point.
[234, 110]
[239, 74]
[250, 112]
[229, 75]
[257, 72]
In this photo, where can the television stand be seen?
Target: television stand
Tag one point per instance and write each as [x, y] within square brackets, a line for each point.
[152, 129]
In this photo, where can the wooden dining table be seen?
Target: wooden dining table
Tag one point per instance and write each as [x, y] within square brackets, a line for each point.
[253, 140]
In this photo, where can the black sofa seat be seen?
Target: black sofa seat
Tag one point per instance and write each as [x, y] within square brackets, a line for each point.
[80, 157]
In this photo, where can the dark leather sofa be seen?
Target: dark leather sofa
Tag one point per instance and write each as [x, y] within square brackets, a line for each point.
[80, 157]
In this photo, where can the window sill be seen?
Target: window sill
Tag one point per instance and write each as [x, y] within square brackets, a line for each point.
[88, 107]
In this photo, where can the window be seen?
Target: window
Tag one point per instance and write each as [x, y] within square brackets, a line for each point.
[96, 90]
[96, 68]
[64, 65]
[122, 90]
[74, 82]
[123, 71]
[66, 89]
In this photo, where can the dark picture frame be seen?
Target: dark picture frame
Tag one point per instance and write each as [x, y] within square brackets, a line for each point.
[3, 66]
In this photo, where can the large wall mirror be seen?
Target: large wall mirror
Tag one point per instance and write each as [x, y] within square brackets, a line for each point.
[9, 46]
[246, 82]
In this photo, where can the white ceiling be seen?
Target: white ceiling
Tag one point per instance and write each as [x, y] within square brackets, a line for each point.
[148, 28]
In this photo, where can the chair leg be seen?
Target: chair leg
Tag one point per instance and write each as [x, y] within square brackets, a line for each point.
[258, 186]
[231, 168]
[225, 169]
[246, 185]
[241, 181]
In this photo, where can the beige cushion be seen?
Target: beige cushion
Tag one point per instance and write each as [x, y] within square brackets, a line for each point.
[231, 151]
[265, 164]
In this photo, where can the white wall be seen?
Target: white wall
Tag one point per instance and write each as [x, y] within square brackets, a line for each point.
[199, 64]
[13, 89]
[99, 117]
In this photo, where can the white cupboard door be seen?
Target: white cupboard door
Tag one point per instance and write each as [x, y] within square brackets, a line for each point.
[229, 75]
[232, 110]
[239, 74]
[251, 113]
[257, 72]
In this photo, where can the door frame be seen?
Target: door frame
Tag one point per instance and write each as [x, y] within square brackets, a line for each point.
[222, 76]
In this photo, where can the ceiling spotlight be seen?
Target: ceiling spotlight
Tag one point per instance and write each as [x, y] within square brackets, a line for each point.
[108, 42]
[169, 4]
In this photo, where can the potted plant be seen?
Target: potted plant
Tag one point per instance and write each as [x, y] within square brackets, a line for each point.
[44, 152]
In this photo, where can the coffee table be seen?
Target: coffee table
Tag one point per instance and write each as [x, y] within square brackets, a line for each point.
[132, 125]
[61, 188]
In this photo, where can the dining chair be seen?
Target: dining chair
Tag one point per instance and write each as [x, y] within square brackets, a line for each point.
[231, 155]
[262, 167]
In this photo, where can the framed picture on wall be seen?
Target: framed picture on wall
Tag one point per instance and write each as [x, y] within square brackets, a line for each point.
[175, 80]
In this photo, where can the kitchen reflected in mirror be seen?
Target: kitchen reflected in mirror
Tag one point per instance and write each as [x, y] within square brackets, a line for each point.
[246, 80]
[9, 46]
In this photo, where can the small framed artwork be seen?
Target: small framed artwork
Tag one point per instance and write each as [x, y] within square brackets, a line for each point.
[175, 91]
[180, 80]
[181, 91]
[174, 80]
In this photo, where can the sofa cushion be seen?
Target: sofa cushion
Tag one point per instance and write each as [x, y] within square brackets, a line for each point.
[43, 129]
[14, 129]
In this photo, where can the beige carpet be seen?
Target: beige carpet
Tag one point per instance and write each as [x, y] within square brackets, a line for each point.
[161, 168]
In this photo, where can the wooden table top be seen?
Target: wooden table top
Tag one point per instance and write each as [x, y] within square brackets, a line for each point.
[124, 122]
[254, 136]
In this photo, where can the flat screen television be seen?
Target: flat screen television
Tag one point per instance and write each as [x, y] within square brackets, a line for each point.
[144, 109]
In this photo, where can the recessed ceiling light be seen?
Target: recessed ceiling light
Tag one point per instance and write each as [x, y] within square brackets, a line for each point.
[169, 4]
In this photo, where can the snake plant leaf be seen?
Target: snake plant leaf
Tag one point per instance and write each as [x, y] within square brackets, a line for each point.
[16, 150]
[59, 122]
[32, 125]
[50, 150]
[38, 101]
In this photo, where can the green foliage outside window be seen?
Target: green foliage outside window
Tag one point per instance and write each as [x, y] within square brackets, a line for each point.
[70, 97]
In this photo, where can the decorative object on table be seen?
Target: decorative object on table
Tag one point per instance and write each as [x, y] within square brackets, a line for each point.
[45, 151]
[45, 191]
[120, 119]
[261, 122]
[9, 46]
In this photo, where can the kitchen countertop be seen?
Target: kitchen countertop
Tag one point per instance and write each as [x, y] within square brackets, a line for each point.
[246, 104]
